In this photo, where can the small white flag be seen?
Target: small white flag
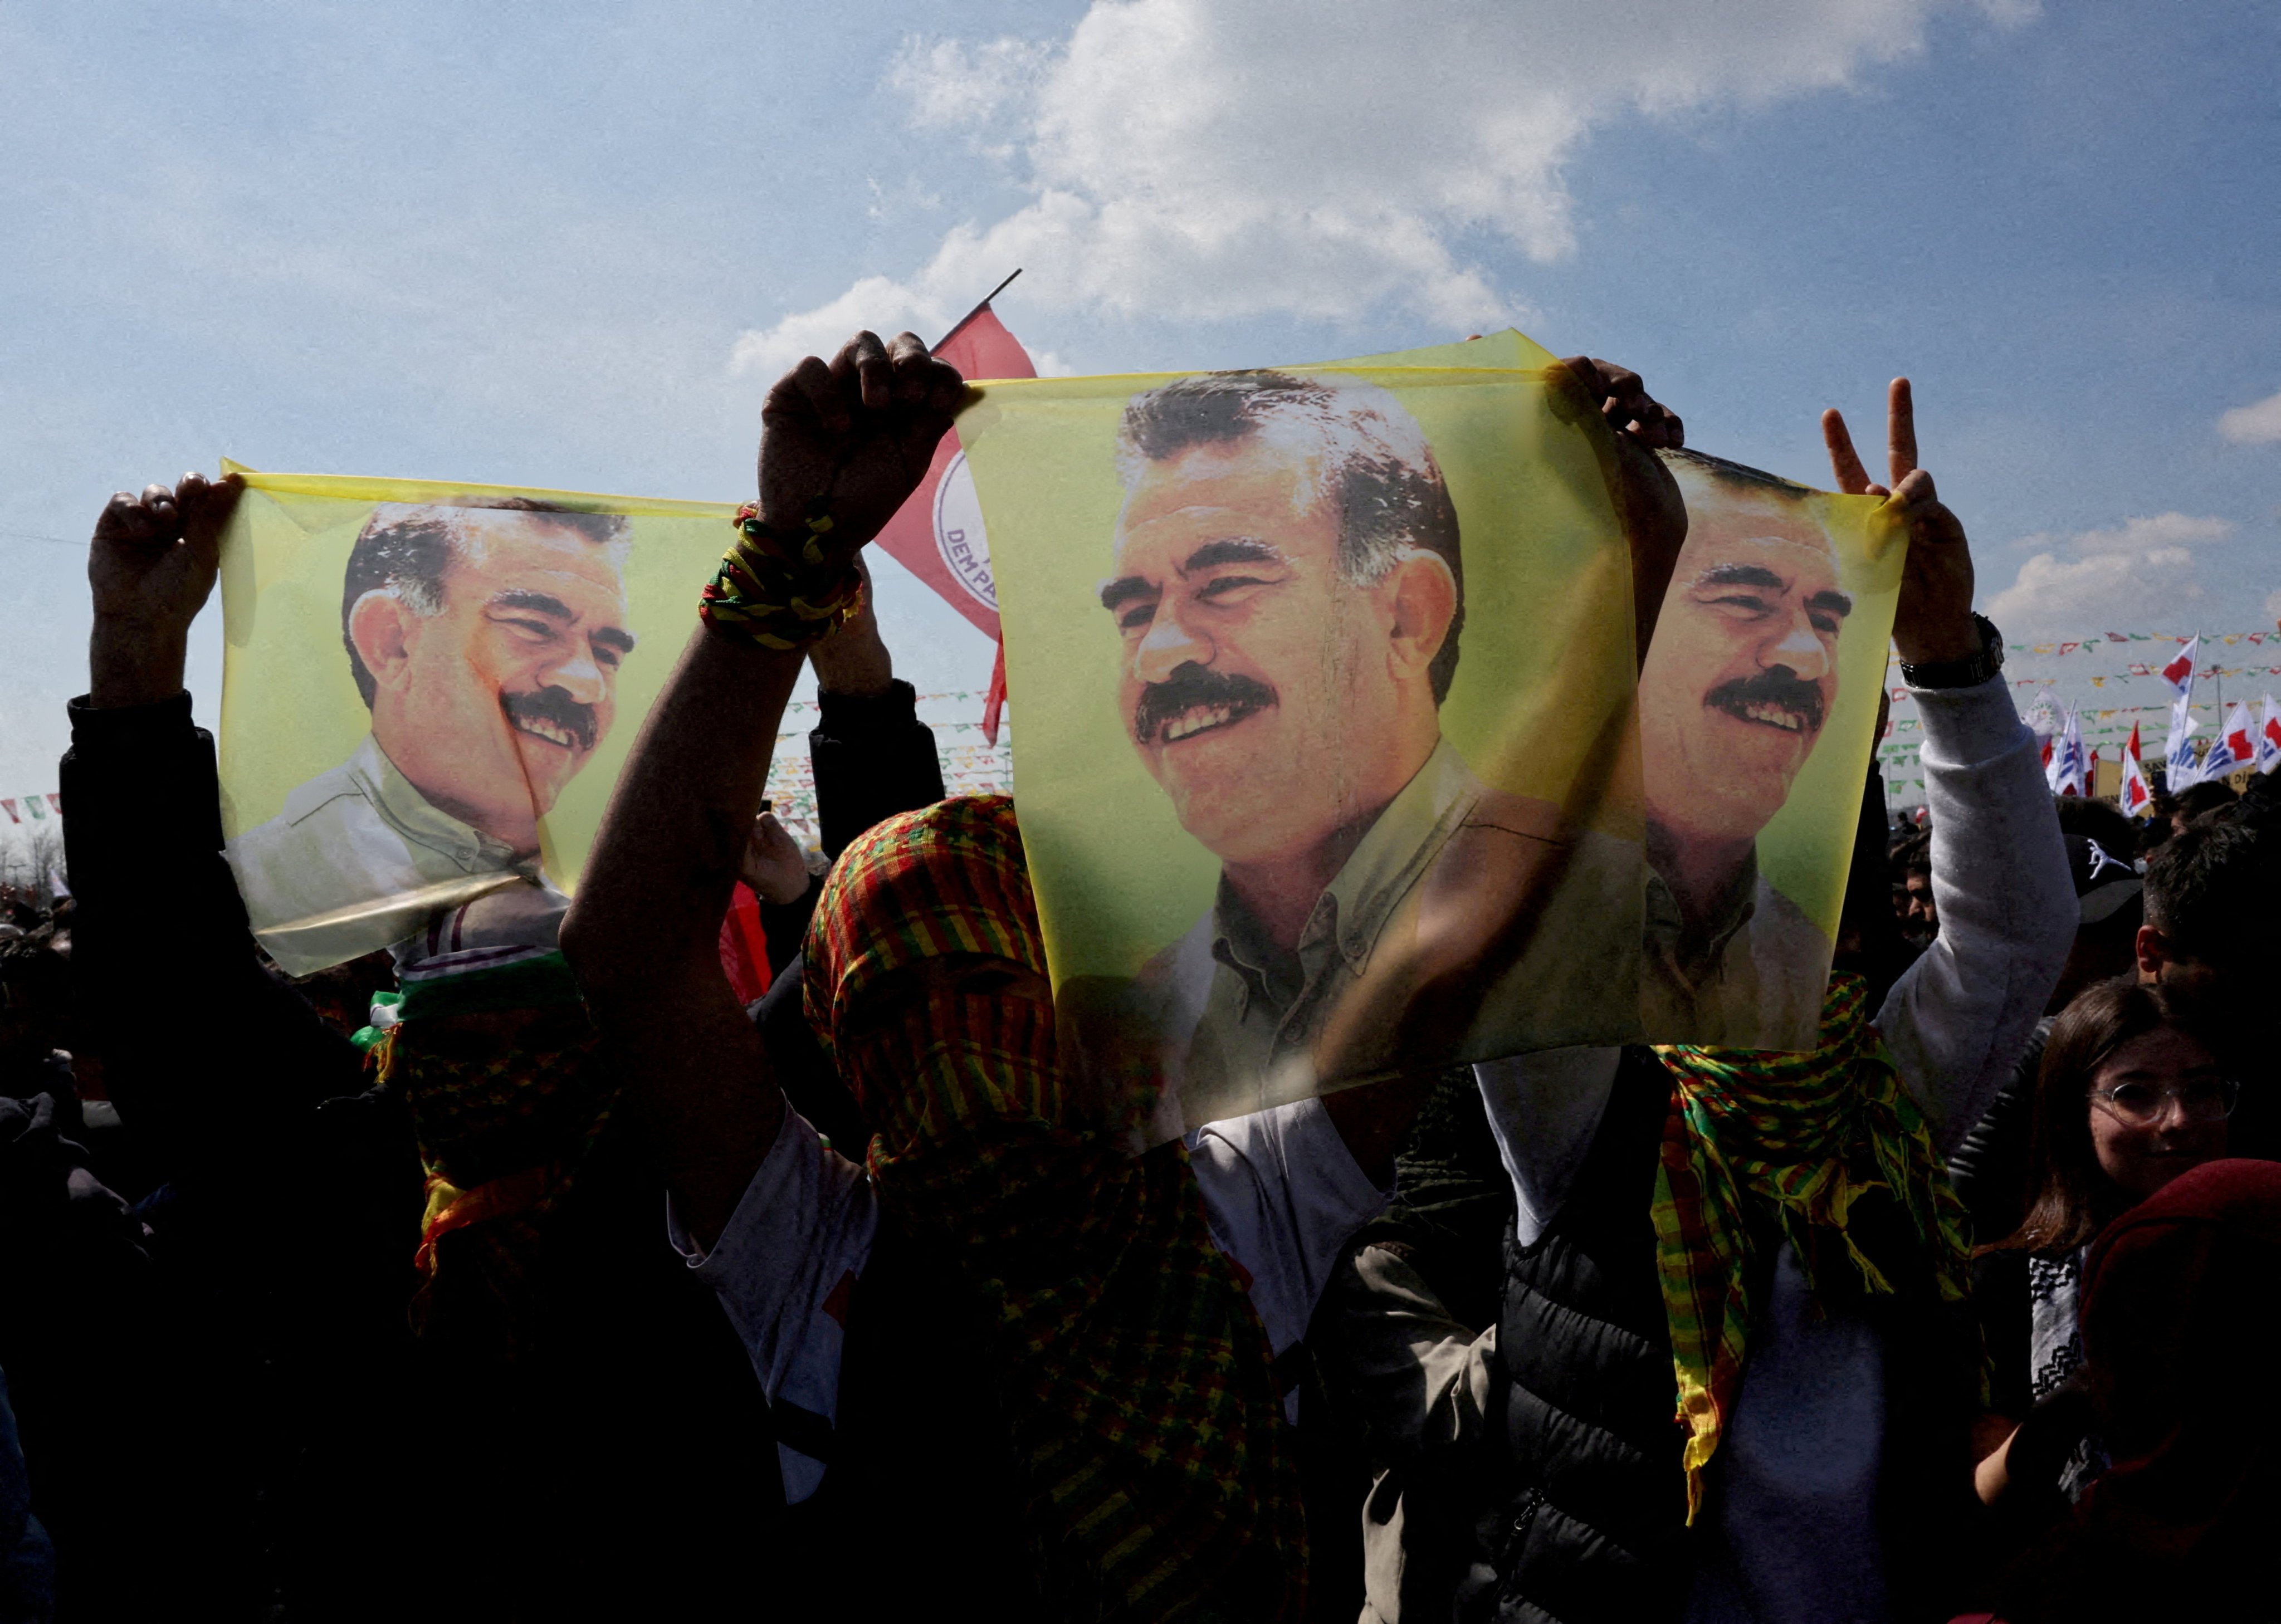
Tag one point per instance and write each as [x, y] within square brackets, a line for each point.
[2135, 796]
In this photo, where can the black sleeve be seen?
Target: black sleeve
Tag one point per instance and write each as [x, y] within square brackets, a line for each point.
[803, 1070]
[873, 758]
[784, 925]
[1990, 1165]
[206, 1051]
[1999, 1303]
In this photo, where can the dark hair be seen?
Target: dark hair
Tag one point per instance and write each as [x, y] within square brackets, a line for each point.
[1913, 856]
[1390, 490]
[2207, 796]
[408, 550]
[2214, 889]
[2115, 829]
[2068, 1197]
[1758, 481]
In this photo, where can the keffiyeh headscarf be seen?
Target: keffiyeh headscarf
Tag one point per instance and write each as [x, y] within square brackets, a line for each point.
[1803, 1139]
[1133, 1372]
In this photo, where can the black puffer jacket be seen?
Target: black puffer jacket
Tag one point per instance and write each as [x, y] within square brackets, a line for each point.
[1593, 1526]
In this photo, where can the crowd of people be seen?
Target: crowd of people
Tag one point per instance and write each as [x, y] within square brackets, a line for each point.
[533, 1275]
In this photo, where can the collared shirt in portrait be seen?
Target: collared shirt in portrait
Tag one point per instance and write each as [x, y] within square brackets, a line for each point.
[1753, 979]
[1242, 1019]
[358, 859]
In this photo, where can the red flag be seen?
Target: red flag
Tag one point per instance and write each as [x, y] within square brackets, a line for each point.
[2180, 672]
[56, 801]
[938, 534]
[993, 703]
[744, 949]
[2136, 796]
[9, 807]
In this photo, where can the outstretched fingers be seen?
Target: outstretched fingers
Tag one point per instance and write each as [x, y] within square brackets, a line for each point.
[1900, 431]
[1845, 463]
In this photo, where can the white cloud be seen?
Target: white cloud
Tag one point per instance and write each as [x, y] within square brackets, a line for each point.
[953, 85]
[2116, 578]
[1321, 158]
[2258, 423]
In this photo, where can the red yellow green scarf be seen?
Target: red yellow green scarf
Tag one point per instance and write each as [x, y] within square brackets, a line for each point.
[1134, 1374]
[1806, 1136]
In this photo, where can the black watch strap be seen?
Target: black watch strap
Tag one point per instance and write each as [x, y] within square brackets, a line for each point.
[1962, 673]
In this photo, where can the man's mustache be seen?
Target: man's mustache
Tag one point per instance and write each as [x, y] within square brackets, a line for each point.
[1191, 687]
[556, 706]
[1771, 694]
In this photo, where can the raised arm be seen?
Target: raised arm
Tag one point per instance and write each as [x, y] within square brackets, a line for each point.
[160, 929]
[872, 756]
[843, 442]
[1958, 1018]
[1648, 502]
[1372, 1118]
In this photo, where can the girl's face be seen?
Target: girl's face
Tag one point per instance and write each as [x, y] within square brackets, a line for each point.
[2158, 1107]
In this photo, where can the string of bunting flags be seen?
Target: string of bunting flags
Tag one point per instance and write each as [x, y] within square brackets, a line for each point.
[33, 808]
[2062, 703]
[2100, 641]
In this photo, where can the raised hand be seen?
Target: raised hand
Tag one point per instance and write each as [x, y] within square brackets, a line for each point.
[773, 865]
[1933, 622]
[855, 433]
[151, 567]
[1624, 401]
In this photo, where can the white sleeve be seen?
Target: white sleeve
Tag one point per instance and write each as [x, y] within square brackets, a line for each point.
[1957, 1018]
[1544, 1109]
[1282, 1193]
[784, 1269]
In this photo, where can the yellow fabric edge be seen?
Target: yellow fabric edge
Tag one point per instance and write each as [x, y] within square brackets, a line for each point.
[1374, 370]
[358, 489]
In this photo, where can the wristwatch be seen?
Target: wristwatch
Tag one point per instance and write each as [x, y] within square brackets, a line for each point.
[1962, 673]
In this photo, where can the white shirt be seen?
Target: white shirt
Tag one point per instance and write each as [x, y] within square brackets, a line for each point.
[1282, 1195]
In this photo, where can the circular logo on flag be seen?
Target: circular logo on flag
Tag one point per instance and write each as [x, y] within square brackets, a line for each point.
[958, 534]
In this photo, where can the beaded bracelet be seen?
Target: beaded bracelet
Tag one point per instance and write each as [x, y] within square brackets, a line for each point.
[781, 592]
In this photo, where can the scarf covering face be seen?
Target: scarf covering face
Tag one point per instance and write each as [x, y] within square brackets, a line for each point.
[499, 1064]
[1801, 1138]
[1134, 1375]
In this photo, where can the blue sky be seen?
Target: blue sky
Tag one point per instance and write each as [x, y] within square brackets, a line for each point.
[566, 245]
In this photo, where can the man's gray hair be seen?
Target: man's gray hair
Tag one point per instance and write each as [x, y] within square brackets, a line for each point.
[407, 549]
[1358, 447]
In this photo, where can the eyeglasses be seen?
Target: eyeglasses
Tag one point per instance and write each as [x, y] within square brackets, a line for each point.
[2142, 1104]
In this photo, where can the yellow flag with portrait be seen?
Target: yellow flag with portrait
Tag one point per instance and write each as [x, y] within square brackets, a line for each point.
[1330, 764]
[428, 691]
